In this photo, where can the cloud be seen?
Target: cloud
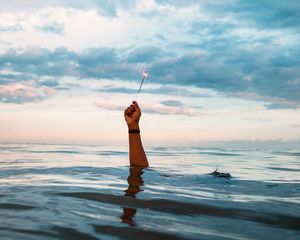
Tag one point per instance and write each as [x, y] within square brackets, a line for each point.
[172, 103]
[167, 89]
[109, 106]
[145, 54]
[7, 77]
[91, 63]
[264, 14]
[108, 8]
[170, 110]
[163, 109]
[11, 28]
[261, 14]
[231, 73]
[51, 83]
[21, 93]
[279, 106]
[109, 89]
[237, 48]
[273, 102]
[159, 108]
[54, 27]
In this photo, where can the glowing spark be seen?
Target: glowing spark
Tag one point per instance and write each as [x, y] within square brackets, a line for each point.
[145, 74]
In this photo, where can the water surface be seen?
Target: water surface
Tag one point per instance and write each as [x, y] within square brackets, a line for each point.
[89, 192]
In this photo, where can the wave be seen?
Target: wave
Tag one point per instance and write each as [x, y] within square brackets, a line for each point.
[56, 151]
[285, 169]
[8, 172]
[183, 208]
[57, 232]
[112, 153]
[288, 153]
[135, 233]
[15, 206]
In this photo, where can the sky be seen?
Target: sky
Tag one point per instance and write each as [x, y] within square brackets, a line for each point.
[219, 71]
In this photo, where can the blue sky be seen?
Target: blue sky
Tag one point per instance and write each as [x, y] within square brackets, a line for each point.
[219, 70]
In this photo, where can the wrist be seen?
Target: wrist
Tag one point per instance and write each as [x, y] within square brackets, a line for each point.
[136, 131]
[134, 126]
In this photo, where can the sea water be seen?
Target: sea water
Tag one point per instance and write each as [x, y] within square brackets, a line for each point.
[89, 192]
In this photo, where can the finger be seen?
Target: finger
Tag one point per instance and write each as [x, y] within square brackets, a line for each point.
[128, 111]
[136, 106]
[127, 117]
[132, 108]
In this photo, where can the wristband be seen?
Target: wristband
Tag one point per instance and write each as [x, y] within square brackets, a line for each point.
[134, 131]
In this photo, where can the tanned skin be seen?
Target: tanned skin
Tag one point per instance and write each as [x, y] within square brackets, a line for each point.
[137, 156]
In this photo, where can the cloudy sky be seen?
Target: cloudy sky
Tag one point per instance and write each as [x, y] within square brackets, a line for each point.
[219, 70]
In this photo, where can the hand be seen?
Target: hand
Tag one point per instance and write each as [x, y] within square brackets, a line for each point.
[132, 115]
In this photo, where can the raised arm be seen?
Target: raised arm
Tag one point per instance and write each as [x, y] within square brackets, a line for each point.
[137, 156]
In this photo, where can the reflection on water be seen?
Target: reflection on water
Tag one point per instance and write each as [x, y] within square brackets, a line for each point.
[85, 192]
[135, 181]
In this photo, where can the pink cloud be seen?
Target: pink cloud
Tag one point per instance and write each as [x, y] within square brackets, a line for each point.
[171, 110]
[109, 106]
[20, 93]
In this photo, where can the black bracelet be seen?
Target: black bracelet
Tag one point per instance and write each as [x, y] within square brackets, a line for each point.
[134, 131]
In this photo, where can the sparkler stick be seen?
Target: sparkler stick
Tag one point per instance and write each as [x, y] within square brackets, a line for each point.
[145, 75]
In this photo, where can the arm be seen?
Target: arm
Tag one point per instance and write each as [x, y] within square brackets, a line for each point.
[137, 156]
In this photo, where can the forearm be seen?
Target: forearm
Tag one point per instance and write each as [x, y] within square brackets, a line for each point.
[137, 156]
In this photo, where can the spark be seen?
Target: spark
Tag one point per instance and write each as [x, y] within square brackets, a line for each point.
[145, 74]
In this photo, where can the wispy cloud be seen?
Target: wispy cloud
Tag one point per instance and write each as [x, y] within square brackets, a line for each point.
[172, 103]
[109, 106]
[163, 108]
[161, 89]
[171, 110]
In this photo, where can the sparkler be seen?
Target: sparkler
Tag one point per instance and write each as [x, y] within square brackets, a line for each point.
[145, 75]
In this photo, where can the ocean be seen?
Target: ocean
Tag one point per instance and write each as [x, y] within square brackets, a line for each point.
[90, 192]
